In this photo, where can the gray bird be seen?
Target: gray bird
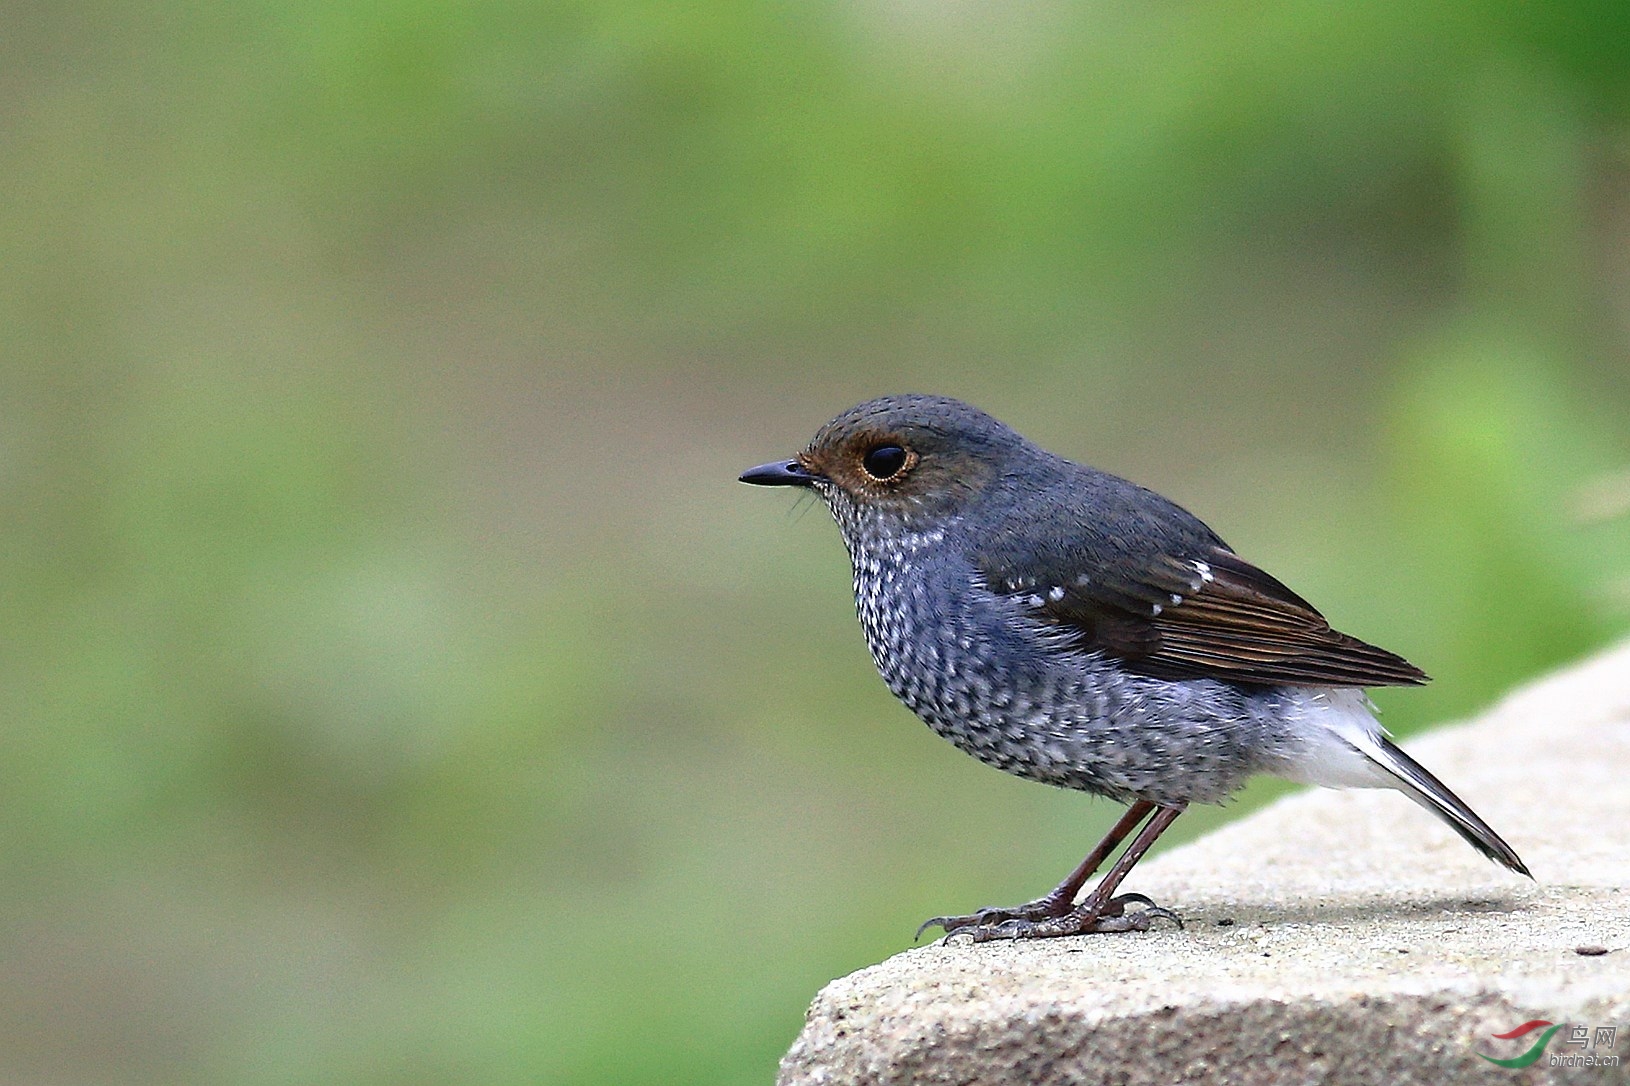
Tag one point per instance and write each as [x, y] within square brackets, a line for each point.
[1070, 627]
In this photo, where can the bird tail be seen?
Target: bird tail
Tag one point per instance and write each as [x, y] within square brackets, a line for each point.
[1413, 780]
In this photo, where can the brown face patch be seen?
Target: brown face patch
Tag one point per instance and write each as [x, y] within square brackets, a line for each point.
[952, 453]
[844, 461]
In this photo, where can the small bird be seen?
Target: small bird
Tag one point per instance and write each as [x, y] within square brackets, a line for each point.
[1073, 628]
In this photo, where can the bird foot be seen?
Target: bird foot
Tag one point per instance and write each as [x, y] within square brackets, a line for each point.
[1112, 917]
[1043, 908]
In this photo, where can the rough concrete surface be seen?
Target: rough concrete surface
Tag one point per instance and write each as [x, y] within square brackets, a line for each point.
[1332, 937]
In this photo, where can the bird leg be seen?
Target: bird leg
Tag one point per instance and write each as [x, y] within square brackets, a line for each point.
[1061, 899]
[1100, 910]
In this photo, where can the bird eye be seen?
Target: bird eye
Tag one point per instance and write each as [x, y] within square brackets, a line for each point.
[884, 462]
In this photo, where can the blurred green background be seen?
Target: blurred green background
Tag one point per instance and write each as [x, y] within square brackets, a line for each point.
[397, 686]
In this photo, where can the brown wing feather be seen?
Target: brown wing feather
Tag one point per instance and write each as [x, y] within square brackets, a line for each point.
[1218, 617]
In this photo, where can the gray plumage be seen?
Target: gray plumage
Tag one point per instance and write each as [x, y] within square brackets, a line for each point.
[1072, 628]
[1007, 687]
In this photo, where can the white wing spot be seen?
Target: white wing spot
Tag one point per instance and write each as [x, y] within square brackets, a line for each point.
[1055, 593]
[1154, 609]
[1083, 580]
[1035, 601]
[1176, 599]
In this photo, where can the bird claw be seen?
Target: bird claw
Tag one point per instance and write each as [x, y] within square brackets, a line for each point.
[1112, 917]
[1149, 913]
[1044, 908]
[979, 918]
[1115, 917]
[949, 923]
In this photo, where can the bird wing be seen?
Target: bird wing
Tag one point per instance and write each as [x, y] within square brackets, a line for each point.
[1153, 587]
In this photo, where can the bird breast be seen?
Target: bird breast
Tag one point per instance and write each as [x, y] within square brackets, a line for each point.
[984, 673]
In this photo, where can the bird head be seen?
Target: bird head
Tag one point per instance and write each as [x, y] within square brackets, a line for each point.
[903, 458]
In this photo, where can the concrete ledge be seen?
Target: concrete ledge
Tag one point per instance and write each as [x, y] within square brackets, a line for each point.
[1332, 937]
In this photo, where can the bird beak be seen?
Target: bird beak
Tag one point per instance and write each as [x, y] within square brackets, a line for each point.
[780, 473]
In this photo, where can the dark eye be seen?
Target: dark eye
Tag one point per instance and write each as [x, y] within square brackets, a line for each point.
[884, 462]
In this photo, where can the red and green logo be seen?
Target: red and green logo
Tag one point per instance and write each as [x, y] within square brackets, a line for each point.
[1533, 1054]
